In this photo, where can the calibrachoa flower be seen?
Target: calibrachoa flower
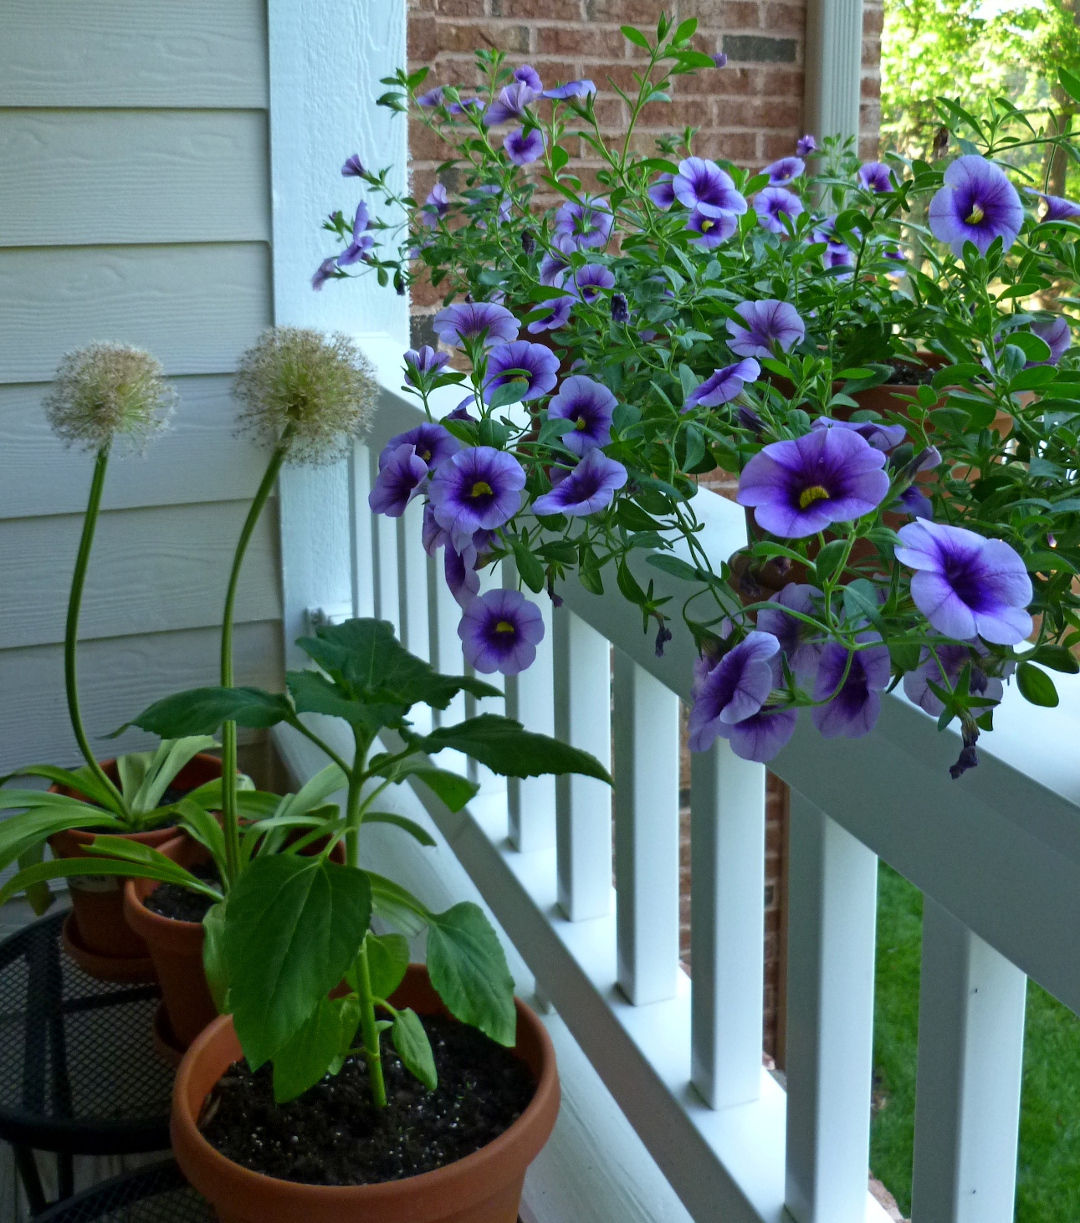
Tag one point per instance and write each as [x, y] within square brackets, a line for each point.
[854, 708]
[944, 670]
[431, 99]
[423, 363]
[462, 581]
[881, 436]
[1058, 208]
[539, 368]
[760, 736]
[713, 229]
[585, 490]
[700, 182]
[1056, 334]
[805, 145]
[966, 585]
[524, 148]
[504, 203]
[478, 488]
[572, 89]
[723, 385]
[732, 689]
[465, 104]
[590, 405]
[467, 320]
[773, 205]
[432, 443]
[323, 273]
[801, 487]
[528, 75]
[558, 315]
[401, 473]
[800, 642]
[838, 255]
[589, 280]
[500, 631]
[435, 206]
[588, 223]
[784, 171]
[977, 204]
[553, 269]
[512, 103]
[719, 60]
[361, 241]
[877, 177]
[767, 323]
[620, 308]
[661, 192]
[916, 502]
[353, 168]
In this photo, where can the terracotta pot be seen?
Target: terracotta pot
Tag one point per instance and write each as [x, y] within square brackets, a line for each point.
[485, 1187]
[97, 900]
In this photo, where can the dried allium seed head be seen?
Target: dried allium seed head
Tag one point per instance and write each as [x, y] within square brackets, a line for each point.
[320, 384]
[108, 391]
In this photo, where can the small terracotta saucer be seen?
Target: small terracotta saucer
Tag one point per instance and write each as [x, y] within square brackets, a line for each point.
[104, 967]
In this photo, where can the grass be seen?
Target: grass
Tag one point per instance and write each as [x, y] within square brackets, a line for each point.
[1048, 1180]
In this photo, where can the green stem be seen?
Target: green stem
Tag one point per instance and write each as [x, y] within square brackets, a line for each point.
[352, 820]
[71, 631]
[231, 824]
[370, 1033]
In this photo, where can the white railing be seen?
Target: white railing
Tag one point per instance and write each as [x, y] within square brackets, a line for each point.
[997, 855]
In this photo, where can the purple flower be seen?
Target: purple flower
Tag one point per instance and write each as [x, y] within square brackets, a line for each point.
[539, 368]
[401, 473]
[462, 581]
[719, 60]
[620, 308]
[485, 193]
[353, 168]
[713, 226]
[435, 206]
[661, 192]
[589, 280]
[839, 255]
[478, 488]
[877, 177]
[464, 105]
[796, 637]
[801, 487]
[916, 502]
[572, 89]
[824, 230]
[853, 709]
[432, 444]
[805, 145]
[461, 412]
[590, 405]
[588, 488]
[732, 689]
[784, 171]
[423, 364]
[774, 204]
[467, 320]
[578, 225]
[558, 315]
[881, 437]
[553, 269]
[701, 182]
[762, 735]
[977, 204]
[528, 75]
[1058, 208]
[523, 149]
[945, 671]
[323, 273]
[500, 631]
[966, 585]
[361, 242]
[1056, 334]
[723, 385]
[767, 323]
[431, 99]
[512, 103]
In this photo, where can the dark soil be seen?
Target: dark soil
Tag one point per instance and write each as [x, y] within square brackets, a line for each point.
[171, 900]
[333, 1135]
[905, 374]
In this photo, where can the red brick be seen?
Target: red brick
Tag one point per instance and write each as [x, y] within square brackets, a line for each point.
[481, 35]
[784, 19]
[538, 10]
[422, 37]
[644, 13]
[460, 8]
[580, 42]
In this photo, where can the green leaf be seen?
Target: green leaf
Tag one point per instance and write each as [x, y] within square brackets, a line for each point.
[1032, 379]
[395, 905]
[314, 792]
[677, 568]
[18, 833]
[217, 978]
[201, 825]
[635, 36]
[828, 559]
[632, 517]
[38, 895]
[81, 779]
[65, 868]
[505, 747]
[454, 790]
[403, 822]
[507, 393]
[1036, 686]
[1057, 658]
[172, 755]
[303, 1060]
[1031, 345]
[388, 958]
[314, 693]
[686, 30]
[860, 601]
[468, 970]
[530, 569]
[201, 711]
[905, 655]
[293, 926]
[1070, 82]
[414, 1048]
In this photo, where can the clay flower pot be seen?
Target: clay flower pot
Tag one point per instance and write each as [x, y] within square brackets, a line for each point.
[485, 1187]
[96, 935]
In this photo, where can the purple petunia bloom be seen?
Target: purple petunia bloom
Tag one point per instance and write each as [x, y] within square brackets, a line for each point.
[461, 412]
[522, 148]
[572, 89]
[424, 363]
[465, 105]
[512, 103]
[435, 206]
[839, 255]
[723, 385]
[553, 269]
[877, 177]
[477, 489]
[805, 145]
[1058, 208]
[431, 99]
[945, 671]
[1055, 333]
[881, 437]
[773, 205]
[784, 171]
[661, 192]
[800, 642]
[732, 689]
[558, 315]
[966, 585]
[767, 323]
[539, 366]
[713, 229]
[578, 225]
[760, 736]
[719, 60]
[432, 444]
[462, 580]
[916, 502]
[401, 473]
[353, 167]
[853, 709]
[589, 280]
[701, 182]
[323, 273]
[528, 75]
[590, 406]
[500, 631]
[467, 320]
[801, 487]
[977, 204]
[361, 241]
[585, 490]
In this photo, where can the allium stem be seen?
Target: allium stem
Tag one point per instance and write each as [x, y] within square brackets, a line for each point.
[71, 631]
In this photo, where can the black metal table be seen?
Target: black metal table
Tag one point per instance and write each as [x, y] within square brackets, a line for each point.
[156, 1194]
[79, 1074]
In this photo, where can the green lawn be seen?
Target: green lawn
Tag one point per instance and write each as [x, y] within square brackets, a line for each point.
[1048, 1184]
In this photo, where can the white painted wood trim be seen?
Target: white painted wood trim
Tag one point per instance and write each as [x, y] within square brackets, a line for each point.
[833, 67]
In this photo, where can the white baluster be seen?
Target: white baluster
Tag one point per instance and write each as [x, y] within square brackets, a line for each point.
[646, 725]
[412, 615]
[384, 555]
[582, 662]
[361, 519]
[831, 921]
[530, 698]
[727, 924]
[971, 1053]
[489, 782]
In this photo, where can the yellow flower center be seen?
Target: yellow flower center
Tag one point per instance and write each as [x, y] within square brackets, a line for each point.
[706, 225]
[425, 455]
[504, 626]
[580, 424]
[814, 493]
[481, 489]
[975, 215]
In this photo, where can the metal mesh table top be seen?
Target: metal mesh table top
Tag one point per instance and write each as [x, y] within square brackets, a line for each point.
[157, 1194]
[78, 1068]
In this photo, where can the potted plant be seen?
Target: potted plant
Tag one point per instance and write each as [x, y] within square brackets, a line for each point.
[696, 315]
